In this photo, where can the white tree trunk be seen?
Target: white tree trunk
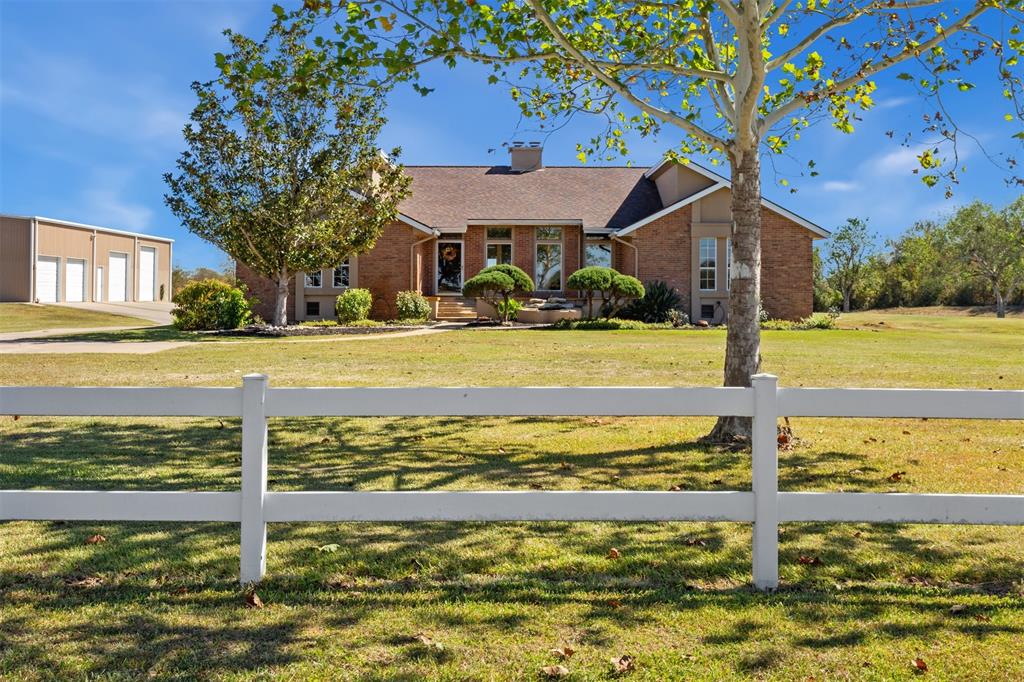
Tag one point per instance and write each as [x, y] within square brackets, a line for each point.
[743, 338]
[281, 301]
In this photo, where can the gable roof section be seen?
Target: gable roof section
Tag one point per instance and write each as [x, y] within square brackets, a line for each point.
[720, 182]
[450, 197]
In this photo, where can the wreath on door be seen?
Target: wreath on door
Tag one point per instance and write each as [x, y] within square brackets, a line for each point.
[449, 253]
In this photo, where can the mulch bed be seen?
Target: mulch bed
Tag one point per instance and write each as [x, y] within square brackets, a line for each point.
[299, 330]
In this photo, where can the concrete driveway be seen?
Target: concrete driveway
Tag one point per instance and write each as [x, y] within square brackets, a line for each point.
[156, 312]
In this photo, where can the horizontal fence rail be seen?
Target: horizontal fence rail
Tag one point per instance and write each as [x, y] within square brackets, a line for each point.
[764, 506]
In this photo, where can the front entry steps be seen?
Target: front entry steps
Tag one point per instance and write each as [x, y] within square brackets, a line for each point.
[454, 308]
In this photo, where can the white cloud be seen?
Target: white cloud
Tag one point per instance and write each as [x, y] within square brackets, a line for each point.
[69, 91]
[898, 161]
[110, 208]
[893, 102]
[840, 186]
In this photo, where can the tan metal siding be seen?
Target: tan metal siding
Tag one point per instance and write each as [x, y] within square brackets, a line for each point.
[15, 259]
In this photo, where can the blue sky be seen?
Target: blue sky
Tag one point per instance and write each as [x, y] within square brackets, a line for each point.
[93, 96]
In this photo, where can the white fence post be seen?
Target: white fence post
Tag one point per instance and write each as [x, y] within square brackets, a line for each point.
[765, 463]
[254, 478]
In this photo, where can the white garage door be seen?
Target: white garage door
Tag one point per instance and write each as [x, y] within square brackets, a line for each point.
[74, 281]
[118, 291]
[147, 273]
[46, 279]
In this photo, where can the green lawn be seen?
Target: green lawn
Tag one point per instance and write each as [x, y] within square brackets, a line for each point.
[24, 317]
[160, 600]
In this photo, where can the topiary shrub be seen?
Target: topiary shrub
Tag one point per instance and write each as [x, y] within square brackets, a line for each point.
[497, 285]
[411, 305]
[590, 280]
[657, 304]
[353, 305]
[210, 304]
[625, 289]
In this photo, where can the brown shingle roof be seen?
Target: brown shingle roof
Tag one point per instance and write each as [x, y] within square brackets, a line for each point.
[602, 197]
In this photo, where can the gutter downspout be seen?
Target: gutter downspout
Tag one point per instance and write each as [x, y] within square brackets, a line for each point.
[636, 254]
[91, 275]
[412, 257]
[33, 239]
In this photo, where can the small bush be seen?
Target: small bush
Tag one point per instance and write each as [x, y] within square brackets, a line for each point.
[813, 321]
[319, 323]
[658, 304]
[607, 324]
[353, 305]
[210, 304]
[411, 305]
[364, 323]
[677, 318]
[509, 310]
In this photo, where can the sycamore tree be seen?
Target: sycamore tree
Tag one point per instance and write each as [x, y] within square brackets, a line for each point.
[848, 250]
[282, 170]
[990, 246]
[729, 80]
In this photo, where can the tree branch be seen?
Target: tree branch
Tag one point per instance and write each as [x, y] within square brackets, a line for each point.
[800, 100]
[617, 87]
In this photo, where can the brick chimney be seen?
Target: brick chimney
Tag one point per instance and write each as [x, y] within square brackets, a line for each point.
[526, 157]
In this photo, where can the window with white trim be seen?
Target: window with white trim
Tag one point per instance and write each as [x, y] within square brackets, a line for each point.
[728, 264]
[598, 252]
[708, 271]
[341, 275]
[548, 258]
[499, 246]
[314, 280]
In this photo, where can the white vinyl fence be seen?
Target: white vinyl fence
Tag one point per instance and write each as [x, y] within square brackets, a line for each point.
[764, 506]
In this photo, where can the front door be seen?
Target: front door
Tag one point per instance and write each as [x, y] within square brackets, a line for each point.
[449, 268]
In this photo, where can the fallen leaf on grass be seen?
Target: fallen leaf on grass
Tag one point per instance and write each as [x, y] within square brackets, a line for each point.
[331, 548]
[613, 553]
[957, 609]
[809, 560]
[564, 651]
[717, 481]
[918, 665]
[501, 451]
[614, 603]
[906, 433]
[623, 664]
[554, 671]
[982, 618]
[253, 601]
[95, 539]
[897, 476]
[87, 581]
[428, 641]
[694, 542]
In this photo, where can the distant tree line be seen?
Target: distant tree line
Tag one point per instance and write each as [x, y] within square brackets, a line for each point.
[973, 258]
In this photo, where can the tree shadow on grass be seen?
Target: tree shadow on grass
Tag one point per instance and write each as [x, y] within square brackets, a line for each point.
[679, 567]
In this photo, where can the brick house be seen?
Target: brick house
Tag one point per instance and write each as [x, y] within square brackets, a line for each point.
[670, 222]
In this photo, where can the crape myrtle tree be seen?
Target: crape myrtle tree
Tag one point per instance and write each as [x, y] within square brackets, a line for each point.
[990, 246]
[731, 80]
[282, 171]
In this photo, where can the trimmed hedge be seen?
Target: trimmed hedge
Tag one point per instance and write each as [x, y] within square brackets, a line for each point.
[353, 305]
[210, 304]
[412, 305]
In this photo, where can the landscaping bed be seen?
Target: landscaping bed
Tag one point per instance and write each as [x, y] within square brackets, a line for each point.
[270, 331]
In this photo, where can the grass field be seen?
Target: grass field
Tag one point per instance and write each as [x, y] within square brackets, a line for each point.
[24, 317]
[160, 600]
